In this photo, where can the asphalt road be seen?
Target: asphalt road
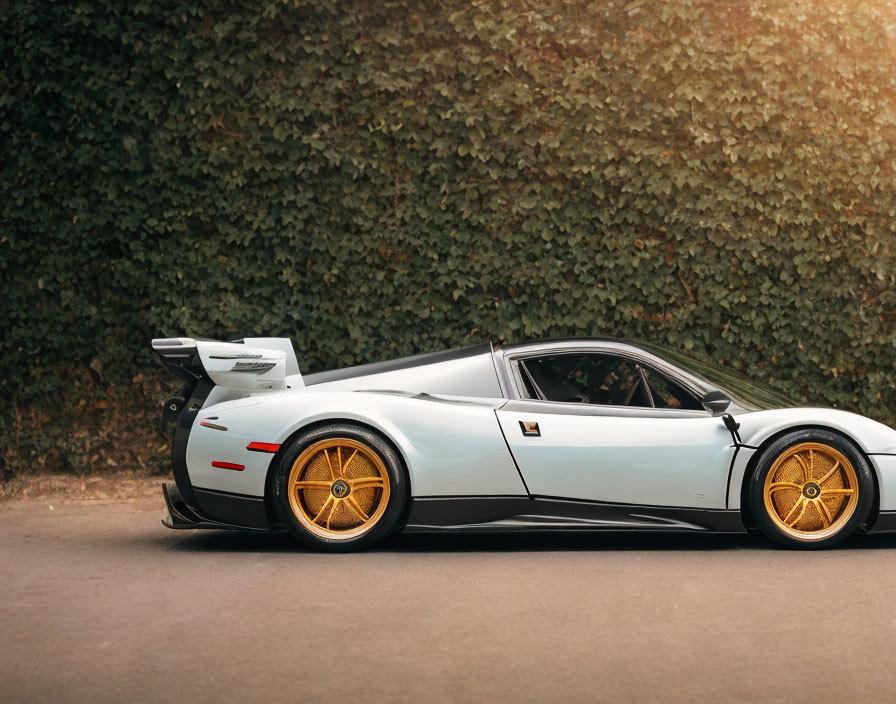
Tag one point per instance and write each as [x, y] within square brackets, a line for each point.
[101, 603]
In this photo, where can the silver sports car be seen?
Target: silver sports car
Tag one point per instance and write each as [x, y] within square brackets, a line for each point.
[583, 434]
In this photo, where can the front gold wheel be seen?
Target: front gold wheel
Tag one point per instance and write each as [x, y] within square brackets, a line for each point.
[811, 491]
[338, 488]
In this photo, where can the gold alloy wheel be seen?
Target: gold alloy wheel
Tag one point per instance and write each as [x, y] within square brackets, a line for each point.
[338, 488]
[811, 491]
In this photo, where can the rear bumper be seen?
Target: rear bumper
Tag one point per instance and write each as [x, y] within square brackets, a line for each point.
[182, 517]
[189, 506]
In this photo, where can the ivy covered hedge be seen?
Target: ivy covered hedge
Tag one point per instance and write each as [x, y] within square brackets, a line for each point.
[381, 178]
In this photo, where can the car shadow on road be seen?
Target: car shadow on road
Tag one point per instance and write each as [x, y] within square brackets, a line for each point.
[234, 542]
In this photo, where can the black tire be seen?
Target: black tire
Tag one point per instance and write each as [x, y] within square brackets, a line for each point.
[297, 522]
[769, 502]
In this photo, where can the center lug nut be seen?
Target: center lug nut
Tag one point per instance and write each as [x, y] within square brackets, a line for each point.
[340, 489]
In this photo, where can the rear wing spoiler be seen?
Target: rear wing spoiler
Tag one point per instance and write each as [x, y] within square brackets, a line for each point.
[251, 364]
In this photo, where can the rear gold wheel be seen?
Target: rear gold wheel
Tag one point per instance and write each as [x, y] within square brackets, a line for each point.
[338, 488]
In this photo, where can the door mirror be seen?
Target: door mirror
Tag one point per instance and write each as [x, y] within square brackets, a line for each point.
[715, 402]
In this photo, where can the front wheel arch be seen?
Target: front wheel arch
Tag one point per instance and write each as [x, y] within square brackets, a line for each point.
[746, 513]
[747, 517]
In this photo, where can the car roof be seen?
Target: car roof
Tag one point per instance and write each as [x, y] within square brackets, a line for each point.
[572, 341]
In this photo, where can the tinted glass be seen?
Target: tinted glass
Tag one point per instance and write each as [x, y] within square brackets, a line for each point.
[669, 394]
[600, 379]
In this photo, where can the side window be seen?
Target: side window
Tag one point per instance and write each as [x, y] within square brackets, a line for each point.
[586, 378]
[669, 394]
[602, 379]
[556, 378]
[619, 383]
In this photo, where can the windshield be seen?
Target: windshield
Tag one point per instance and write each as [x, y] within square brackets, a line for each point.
[734, 384]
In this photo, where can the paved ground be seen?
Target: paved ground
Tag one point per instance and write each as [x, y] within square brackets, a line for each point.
[101, 603]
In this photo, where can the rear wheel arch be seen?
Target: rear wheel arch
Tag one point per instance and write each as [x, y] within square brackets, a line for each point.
[745, 508]
[271, 511]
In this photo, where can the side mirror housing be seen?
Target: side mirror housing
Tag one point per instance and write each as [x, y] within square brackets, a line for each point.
[715, 402]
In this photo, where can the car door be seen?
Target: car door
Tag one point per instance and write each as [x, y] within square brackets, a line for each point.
[634, 450]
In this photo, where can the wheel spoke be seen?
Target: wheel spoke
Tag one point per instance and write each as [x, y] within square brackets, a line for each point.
[323, 508]
[780, 486]
[801, 514]
[339, 459]
[823, 511]
[354, 506]
[801, 504]
[329, 464]
[805, 468]
[367, 483]
[837, 492]
[811, 462]
[312, 485]
[347, 463]
[336, 503]
[830, 472]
